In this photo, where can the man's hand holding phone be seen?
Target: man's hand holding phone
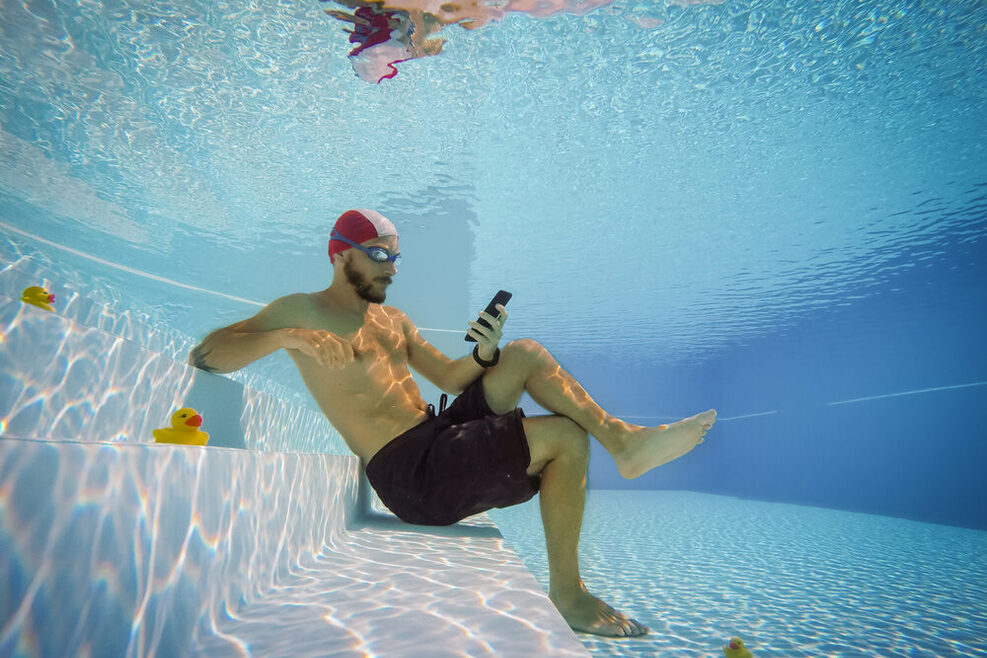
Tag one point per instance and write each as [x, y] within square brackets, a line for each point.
[487, 330]
[488, 337]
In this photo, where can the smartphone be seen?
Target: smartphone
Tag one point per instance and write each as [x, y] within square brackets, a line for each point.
[502, 297]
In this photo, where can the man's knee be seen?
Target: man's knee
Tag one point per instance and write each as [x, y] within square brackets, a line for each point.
[555, 437]
[575, 444]
[524, 349]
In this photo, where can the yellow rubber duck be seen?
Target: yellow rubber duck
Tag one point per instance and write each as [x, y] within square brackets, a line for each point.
[38, 296]
[736, 649]
[184, 429]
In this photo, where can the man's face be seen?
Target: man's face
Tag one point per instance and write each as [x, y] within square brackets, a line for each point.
[370, 279]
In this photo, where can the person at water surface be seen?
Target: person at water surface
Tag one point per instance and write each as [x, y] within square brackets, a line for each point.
[355, 356]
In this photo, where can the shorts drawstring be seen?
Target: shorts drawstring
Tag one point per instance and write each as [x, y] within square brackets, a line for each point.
[442, 406]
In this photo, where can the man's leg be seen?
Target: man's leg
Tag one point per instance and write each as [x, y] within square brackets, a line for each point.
[560, 452]
[527, 366]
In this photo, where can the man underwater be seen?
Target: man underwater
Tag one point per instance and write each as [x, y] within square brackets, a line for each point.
[354, 355]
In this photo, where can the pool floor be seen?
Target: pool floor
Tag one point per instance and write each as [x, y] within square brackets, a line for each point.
[790, 580]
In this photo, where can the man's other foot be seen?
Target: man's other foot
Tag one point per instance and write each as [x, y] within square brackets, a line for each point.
[587, 614]
[645, 448]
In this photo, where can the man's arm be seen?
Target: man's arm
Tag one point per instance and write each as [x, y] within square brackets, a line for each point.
[451, 376]
[244, 342]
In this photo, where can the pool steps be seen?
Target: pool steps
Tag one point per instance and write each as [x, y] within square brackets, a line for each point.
[264, 543]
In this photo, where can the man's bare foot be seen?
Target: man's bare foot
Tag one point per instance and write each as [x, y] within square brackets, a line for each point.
[647, 447]
[587, 614]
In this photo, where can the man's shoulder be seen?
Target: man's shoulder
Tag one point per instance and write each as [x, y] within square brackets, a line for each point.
[290, 309]
[293, 303]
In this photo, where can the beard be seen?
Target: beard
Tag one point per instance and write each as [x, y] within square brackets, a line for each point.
[363, 286]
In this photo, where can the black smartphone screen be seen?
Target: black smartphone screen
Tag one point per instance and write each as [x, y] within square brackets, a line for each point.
[502, 297]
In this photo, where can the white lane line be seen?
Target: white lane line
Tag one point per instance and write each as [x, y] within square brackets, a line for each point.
[124, 268]
[915, 392]
[155, 277]
[760, 413]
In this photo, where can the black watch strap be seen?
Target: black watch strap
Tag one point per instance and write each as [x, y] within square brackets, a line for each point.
[486, 364]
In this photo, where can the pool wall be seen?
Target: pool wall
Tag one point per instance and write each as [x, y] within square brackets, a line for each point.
[872, 405]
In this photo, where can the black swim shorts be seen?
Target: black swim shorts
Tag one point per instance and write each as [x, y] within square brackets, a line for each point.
[461, 462]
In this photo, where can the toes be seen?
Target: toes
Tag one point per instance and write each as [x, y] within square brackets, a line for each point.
[604, 620]
[625, 627]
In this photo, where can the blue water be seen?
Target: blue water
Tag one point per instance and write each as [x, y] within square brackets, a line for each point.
[775, 209]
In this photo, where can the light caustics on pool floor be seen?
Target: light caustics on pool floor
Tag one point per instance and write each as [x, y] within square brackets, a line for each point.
[793, 581]
[166, 550]
[390, 592]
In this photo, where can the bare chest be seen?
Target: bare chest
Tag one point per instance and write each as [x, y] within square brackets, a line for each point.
[373, 398]
[379, 346]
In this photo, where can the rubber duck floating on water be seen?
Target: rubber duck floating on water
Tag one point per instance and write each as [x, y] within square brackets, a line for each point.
[736, 649]
[38, 296]
[184, 429]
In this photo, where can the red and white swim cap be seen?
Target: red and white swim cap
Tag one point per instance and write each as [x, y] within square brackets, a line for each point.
[359, 225]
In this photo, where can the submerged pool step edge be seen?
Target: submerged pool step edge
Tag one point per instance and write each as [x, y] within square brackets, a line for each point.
[153, 550]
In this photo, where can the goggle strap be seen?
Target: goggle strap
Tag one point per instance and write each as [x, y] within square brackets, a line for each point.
[377, 254]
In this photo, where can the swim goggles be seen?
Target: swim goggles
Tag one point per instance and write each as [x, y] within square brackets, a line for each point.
[376, 254]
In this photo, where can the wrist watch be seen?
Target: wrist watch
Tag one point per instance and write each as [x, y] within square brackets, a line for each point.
[486, 364]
